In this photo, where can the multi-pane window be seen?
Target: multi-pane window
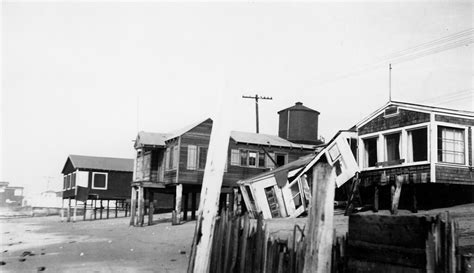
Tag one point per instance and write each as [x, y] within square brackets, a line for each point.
[197, 156]
[417, 145]
[73, 180]
[252, 159]
[171, 157]
[451, 145]
[392, 144]
[370, 146]
[296, 195]
[244, 155]
[65, 182]
[261, 159]
[202, 157]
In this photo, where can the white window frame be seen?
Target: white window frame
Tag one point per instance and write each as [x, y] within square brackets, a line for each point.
[198, 157]
[275, 154]
[365, 158]
[192, 158]
[69, 181]
[401, 147]
[381, 143]
[235, 157]
[466, 143]
[428, 146]
[106, 181]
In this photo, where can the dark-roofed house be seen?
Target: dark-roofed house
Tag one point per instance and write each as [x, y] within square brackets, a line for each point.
[173, 164]
[10, 196]
[92, 179]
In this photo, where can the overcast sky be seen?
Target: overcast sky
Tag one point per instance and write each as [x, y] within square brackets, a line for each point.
[75, 76]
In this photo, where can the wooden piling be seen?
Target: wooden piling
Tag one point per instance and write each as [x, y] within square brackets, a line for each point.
[320, 222]
[151, 206]
[85, 211]
[141, 206]
[101, 207]
[95, 209]
[413, 198]
[177, 208]
[74, 218]
[376, 198]
[185, 207]
[133, 207]
[69, 210]
[193, 205]
[108, 202]
[395, 191]
[116, 208]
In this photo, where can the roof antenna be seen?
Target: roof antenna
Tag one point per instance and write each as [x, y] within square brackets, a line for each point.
[389, 82]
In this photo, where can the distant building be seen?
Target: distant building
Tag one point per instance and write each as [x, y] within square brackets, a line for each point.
[173, 163]
[10, 196]
[97, 179]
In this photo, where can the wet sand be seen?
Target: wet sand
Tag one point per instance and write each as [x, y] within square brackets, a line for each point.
[46, 244]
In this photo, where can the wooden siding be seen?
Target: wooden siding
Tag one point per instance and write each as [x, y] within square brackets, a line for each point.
[403, 118]
[414, 173]
[455, 120]
[454, 175]
[118, 185]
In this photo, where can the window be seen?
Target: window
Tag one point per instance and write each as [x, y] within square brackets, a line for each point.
[243, 157]
[202, 157]
[192, 156]
[252, 159]
[68, 184]
[65, 182]
[392, 145]
[272, 201]
[73, 180]
[167, 159]
[235, 157]
[280, 159]
[261, 159]
[334, 152]
[18, 192]
[175, 157]
[99, 181]
[370, 146]
[296, 195]
[417, 145]
[451, 145]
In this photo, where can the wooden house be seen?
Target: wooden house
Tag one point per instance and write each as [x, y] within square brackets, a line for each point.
[424, 147]
[173, 163]
[286, 191]
[10, 196]
[92, 179]
[429, 148]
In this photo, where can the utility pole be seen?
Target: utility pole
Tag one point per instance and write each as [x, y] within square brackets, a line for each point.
[389, 82]
[257, 97]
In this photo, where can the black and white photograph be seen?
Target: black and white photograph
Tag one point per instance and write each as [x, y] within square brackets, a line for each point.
[237, 136]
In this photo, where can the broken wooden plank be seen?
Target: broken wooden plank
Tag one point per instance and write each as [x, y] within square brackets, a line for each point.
[320, 221]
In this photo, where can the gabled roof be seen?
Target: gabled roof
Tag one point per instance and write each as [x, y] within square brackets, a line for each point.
[186, 129]
[417, 107]
[150, 139]
[267, 140]
[300, 162]
[159, 139]
[100, 163]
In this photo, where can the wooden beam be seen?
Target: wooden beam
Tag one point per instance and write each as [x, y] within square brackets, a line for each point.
[74, 217]
[133, 206]
[376, 198]
[151, 206]
[212, 182]
[320, 222]
[395, 191]
[193, 205]
[62, 209]
[108, 202]
[69, 210]
[116, 209]
[177, 207]
[100, 208]
[85, 211]
[141, 206]
[414, 208]
[185, 207]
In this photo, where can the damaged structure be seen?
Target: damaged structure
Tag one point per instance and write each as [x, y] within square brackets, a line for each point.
[423, 147]
[170, 166]
[93, 180]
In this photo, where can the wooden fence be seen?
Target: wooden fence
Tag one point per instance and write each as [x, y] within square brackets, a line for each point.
[374, 243]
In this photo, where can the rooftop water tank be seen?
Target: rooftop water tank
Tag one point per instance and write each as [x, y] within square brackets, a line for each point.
[299, 124]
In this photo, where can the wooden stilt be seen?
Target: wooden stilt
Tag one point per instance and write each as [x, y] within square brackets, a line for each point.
[126, 208]
[133, 206]
[396, 190]
[108, 202]
[116, 208]
[95, 209]
[62, 209]
[193, 206]
[376, 198]
[177, 209]
[74, 217]
[414, 201]
[101, 208]
[235, 209]
[141, 205]
[230, 209]
[151, 207]
[85, 211]
[69, 210]
[318, 254]
[185, 207]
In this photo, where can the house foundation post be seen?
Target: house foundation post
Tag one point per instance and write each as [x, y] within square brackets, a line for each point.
[69, 210]
[108, 202]
[101, 207]
[376, 198]
[74, 218]
[177, 209]
[62, 209]
[151, 206]
[193, 205]
[133, 202]
[395, 191]
[85, 211]
[185, 207]
[413, 195]
[141, 205]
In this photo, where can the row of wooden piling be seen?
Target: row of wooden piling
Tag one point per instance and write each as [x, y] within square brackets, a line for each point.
[98, 211]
